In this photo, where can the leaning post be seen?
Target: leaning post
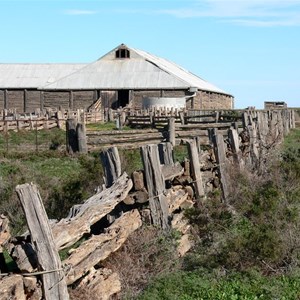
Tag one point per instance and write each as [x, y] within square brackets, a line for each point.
[53, 277]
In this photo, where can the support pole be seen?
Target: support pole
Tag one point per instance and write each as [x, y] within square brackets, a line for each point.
[195, 168]
[54, 284]
[156, 186]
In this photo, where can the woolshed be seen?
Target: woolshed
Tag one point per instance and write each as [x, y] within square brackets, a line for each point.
[124, 77]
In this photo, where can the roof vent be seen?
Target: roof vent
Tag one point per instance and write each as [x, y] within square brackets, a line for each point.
[122, 52]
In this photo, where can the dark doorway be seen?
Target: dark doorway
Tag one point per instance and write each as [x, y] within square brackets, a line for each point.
[123, 97]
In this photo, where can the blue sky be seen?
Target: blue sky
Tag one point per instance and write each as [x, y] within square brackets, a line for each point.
[249, 48]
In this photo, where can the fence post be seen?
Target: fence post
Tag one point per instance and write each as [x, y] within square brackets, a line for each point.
[155, 186]
[71, 136]
[171, 131]
[220, 154]
[54, 284]
[111, 164]
[81, 138]
[195, 168]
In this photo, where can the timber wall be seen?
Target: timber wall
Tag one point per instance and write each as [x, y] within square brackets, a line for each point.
[30, 100]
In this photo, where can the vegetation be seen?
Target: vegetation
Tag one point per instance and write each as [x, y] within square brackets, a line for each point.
[249, 247]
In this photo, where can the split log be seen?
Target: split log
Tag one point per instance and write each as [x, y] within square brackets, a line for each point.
[220, 154]
[233, 138]
[138, 180]
[24, 255]
[111, 164]
[195, 168]
[165, 151]
[72, 141]
[69, 230]
[185, 243]
[101, 284]
[99, 247]
[4, 237]
[155, 186]
[171, 131]
[81, 138]
[33, 288]
[176, 196]
[172, 171]
[11, 287]
[54, 285]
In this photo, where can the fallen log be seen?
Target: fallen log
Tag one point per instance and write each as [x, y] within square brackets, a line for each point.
[176, 196]
[69, 230]
[99, 247]
[11, 287]
[101, 284]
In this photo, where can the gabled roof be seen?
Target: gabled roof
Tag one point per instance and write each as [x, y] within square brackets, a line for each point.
[141, 71]
[33, 75]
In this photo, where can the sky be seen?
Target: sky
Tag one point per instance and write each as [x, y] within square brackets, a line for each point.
[248, 48]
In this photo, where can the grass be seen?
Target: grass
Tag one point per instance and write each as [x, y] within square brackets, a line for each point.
[104, 126]
[30, 137]
[212, 286]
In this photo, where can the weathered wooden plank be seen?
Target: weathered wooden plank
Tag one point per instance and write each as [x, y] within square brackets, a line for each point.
[54, 285]
[12, 287]
[165, 151]
[111, 164]
[171, 131]
[69, 230]
[99, 247]
[196, 172]
[233, 138]
[155, 186]
[101, 284]
[72, 141]
[220, 154]
[81, 138]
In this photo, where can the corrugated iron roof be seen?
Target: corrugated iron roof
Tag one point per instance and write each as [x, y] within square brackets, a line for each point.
[141, 71]
[34, 75]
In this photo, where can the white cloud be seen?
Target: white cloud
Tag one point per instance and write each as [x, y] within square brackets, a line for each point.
[243, 12]
[78, 12]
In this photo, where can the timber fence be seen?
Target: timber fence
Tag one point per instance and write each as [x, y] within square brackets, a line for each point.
[120, 202]
[261, 124]
[46, 119]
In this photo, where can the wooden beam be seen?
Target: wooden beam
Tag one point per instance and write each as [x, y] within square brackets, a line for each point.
[111, 164]
[5, 99]
[70, 229]
[171, 131]
[155, 186]
[54, 284]
[195, 168]
[71, 100]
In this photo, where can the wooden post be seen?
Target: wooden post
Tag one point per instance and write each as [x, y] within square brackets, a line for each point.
[71, 138]
[165, 151]
[155, 186]
[171, 131]
[195, 169]
[60, 119]
[245, 119]
[25, 95]
[54, 284]
[81, 137]
[233, 138]
[111, 164]
[42, 100]
[220, 154]
[71, 100]
[5, 99]
[181, 115]
[110, 115]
